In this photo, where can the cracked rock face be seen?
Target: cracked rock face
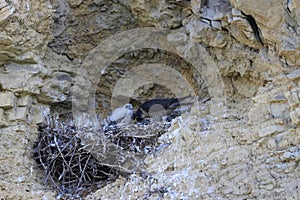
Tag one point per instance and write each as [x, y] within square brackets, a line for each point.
[166, 14]
[240, 59]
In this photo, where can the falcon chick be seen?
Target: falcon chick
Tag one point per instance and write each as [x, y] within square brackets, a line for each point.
[121, 116]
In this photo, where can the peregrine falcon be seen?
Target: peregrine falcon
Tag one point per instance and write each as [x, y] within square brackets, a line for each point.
[157, 108]
[121, 116]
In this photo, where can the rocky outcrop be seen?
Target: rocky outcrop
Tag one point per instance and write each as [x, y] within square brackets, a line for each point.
[239, 59]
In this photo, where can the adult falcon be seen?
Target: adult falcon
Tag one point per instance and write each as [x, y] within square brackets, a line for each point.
[157, 108]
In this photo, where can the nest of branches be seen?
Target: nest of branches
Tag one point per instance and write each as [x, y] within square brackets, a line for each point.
[72, 170]
[139, 138]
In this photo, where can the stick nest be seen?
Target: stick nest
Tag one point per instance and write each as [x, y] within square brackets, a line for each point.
[71, 169]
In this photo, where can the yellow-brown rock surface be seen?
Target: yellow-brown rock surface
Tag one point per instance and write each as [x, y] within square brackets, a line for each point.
[241, 142]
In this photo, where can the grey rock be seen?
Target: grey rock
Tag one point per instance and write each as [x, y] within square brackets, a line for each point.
[6, 10]
[57, 88]
[1, 116]
[271, 130]
[21, 82]
[294, 75]
[295, 116]
[19, 114]
[24, 100]
[7, 100]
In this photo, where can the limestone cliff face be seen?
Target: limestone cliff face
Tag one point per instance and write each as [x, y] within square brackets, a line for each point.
[240, 59]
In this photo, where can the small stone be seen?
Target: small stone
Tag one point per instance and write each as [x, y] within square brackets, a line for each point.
[28, 57]
[21, 67]
[267, 186]
[294, 75]
[279, 110]
[216, 24]
[61, 76]
[270, 130]
[1, 115]
[24, 101]
[295, 116]
[279, 97]
[75, 3]
[56, 89]
[288, 156]
[236, 12]
[293, 97]
[20, 82]
[20, 114]
[177, 37]
[7, 100]
[14, 128]
[6, 11]
[196, 5]
[38, 113]
[98, 2]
